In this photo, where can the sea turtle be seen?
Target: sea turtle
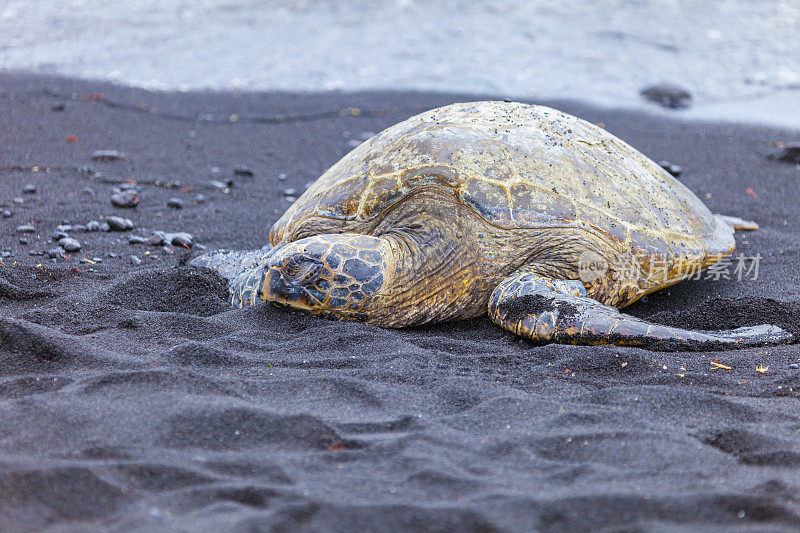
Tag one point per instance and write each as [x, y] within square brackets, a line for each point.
[547, 222]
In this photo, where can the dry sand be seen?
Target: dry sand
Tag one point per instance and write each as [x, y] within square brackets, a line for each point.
[133, 398]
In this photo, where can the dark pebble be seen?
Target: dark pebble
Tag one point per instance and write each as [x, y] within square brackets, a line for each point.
[78, 227]
[175, 203]
[242, 171]
[97, 259]
[290, 192]
[69, 244]
[282, 177]
[181, 239]
[111, 254]
[119, 223]
[668, 95]
[58, 235]
[26, 228]
[135, 239]
[290, 198]
[199, 198]
[56, 253]
[19, 200]
[127, 198]
[675, 170]
[93, 225]
[156, 239]
[6, 213]
[135, 260]
[106, 155]
[794, 366]
[64, 227]
[58, 107]
[35, 252]
[219, 185]
[167, 250]
[789, 154]
[23, 240]
[104, 226]
[30, 188]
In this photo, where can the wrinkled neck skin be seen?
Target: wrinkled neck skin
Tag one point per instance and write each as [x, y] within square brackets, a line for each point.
[434, 274]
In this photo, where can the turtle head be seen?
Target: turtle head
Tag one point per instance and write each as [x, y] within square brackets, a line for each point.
[338, 275]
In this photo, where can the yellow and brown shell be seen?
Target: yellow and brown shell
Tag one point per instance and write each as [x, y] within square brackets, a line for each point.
[518, 166]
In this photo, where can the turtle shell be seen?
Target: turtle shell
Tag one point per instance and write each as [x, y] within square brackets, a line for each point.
[518, 166]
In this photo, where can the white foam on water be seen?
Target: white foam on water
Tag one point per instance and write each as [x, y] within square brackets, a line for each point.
[739, 58]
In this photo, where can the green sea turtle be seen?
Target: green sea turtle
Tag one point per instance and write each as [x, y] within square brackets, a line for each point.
[545, 221]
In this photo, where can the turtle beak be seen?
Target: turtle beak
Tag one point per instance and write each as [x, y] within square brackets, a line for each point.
[278, 288]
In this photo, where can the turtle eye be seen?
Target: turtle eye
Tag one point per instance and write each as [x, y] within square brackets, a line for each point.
[301, 269]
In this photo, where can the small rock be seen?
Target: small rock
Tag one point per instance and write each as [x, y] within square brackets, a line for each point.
[97, 259]
[242, 171]
[128, 187]
[120, 224]
[219, 185]
[88, 191]
[126, 198]
[107, 155]
[6, 213]
[290, 192]
[23, 240]
[30, 188]
[673, 169]
[135, 260]
[794, 366]
[105, 226]
[790, 153]
[26, 228]
[70, 245]
[290, 198]
[19, 200]
[58, 235]
[175, 203]
[78, 227]
[35, 252]
[111, 254]
[282, 177]
[93, 225]
[58, 107]
[56, 253]
[181, 239]
[64, 227]
[199, 198]
[156, 239]
[167, 250]
[136, 239]
[668, 95]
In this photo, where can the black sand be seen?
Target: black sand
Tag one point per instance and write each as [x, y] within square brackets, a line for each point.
[132, 397]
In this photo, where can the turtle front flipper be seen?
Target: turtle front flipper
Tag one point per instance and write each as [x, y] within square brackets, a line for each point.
[548, 310]
[244, 271]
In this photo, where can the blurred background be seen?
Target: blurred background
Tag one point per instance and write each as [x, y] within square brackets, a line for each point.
[738, 59]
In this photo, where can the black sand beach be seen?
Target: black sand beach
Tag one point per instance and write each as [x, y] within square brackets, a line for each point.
[133, 398]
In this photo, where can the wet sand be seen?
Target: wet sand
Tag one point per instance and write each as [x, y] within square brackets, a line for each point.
[134, 398]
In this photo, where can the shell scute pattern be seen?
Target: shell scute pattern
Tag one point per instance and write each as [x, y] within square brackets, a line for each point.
[519, 166]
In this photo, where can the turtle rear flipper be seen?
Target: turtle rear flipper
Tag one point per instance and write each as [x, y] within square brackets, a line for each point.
[738, 223]
[243, 270]
[547, 310]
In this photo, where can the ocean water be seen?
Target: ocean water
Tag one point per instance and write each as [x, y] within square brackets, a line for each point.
[739, 58]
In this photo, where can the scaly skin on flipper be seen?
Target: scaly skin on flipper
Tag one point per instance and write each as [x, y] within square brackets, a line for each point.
[452, 203]
[243, 270]
[547, 310]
